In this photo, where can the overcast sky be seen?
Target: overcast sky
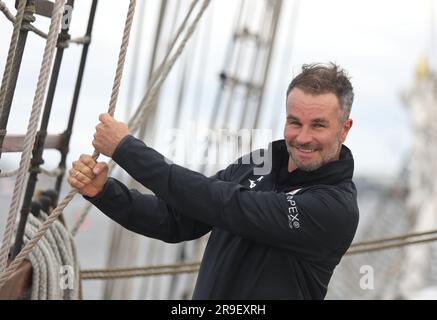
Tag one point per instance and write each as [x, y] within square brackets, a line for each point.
[377, 42]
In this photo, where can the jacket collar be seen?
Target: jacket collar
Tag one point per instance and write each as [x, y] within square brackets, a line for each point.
[329, 174]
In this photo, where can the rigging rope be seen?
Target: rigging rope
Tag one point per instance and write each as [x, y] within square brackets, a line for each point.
[51, 173]
[30, 136]
[6, 12]
[142, 110]
[38, 32]
[113, 273]
[142, 105]
[157, 72]
[28, 27]
[393, 242]
[11, 54]
[150, 97]
[115, 89]
[391, 239]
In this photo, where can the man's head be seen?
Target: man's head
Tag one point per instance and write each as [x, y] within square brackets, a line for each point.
[319, 101]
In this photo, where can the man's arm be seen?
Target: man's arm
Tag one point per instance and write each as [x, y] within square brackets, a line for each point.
[326, 224]
[146, 214]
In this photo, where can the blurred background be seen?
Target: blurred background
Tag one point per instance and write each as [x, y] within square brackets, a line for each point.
[233, 74]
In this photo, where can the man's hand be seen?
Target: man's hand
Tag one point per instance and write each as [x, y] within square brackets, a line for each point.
[88, 176]
[109, 133]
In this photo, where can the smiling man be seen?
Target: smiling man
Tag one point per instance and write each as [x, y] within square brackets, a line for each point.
[274, 236]
[319, 102]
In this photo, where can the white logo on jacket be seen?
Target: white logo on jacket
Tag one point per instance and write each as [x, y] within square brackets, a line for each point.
[254, 182]
[293, 211]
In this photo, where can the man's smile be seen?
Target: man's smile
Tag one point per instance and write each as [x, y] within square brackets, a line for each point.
[305, 150]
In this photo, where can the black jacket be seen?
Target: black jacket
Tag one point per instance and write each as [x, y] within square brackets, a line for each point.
[275, 237]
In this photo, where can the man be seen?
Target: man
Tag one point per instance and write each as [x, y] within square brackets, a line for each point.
[275, 237]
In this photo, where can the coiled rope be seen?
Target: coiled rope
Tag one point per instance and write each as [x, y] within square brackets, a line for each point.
[54, 26]
[53, 252]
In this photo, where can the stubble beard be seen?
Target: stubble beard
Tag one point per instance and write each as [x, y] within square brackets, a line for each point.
[326, 157]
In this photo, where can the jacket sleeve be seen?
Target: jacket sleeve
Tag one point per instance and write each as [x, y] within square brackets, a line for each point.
[146, 214]
[313, 223]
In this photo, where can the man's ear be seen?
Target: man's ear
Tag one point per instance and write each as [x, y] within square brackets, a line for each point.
[347, 125]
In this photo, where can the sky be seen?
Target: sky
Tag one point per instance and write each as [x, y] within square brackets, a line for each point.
[377, 42]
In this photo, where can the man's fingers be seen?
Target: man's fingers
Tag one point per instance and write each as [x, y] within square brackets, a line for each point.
[81, 177]
[105, 117]
[75, 183]
[100, 167]
[99, 126]
[87, 160]
[79, 166]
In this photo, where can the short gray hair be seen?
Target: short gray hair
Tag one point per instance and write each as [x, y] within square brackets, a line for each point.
[320, 78]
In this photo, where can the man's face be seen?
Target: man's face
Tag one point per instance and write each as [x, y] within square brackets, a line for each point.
[314, 131]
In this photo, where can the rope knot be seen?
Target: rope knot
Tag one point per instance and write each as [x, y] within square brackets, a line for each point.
[63, 40]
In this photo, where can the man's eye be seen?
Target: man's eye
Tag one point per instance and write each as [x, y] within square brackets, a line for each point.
[319, 125]
[294, 123]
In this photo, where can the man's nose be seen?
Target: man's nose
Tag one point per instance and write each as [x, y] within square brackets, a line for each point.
[304, 136]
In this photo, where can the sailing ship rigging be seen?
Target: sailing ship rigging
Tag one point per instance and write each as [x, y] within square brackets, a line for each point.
[136, 267]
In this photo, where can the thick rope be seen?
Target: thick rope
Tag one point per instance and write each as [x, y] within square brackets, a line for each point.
[11, 53]
[61, 243]
[48, 237]
[33, 258]
[142, 105]
[392, 239]
[39, 274]
[122, 57]
[52, 252]
[118, 275]
[383, 245]
[47, 262]
[30, 136]
[8, 174]
[51, 260]
[56, 212]
[30, 27]
[145, 268]
[51, 173]
[115, 273]
[136, 120]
